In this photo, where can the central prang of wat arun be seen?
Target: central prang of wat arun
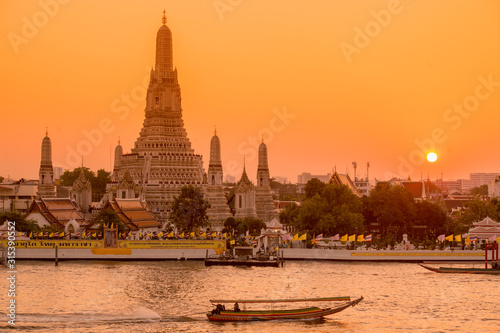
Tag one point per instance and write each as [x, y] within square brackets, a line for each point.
[162, 160]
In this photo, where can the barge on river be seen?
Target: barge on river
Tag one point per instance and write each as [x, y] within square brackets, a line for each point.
[243, 256]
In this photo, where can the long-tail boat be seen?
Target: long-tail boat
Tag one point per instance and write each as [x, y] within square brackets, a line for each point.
[462, 270]
[277, 312]
[494, 264]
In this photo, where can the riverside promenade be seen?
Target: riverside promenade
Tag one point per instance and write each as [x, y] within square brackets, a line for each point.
[198, 250]
[383, 255]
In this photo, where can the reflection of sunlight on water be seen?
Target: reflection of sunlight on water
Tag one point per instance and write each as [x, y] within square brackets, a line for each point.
[174, 296]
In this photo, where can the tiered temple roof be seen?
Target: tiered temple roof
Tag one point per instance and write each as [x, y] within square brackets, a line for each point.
[56, 211]
[133, 213]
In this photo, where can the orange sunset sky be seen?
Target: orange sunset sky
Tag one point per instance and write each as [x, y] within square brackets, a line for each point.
[325, 83]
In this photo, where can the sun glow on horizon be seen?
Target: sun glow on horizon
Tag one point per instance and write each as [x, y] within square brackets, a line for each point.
[432, 157]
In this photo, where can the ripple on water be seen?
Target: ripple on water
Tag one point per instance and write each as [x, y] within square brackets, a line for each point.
[174, 296]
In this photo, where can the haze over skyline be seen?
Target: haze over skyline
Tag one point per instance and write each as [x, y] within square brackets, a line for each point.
[324, 84]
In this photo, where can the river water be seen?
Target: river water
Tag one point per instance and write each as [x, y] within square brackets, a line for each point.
[173, 296]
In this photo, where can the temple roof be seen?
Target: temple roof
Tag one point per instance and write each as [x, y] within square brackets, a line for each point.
[416, 188]
[57, 210]
[133, 213]
[487, 222]
[244, 179]
[82, 182]
[344, 179]
[275, 224]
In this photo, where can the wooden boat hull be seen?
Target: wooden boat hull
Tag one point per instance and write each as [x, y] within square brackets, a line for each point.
[452, 270]
[301, 314]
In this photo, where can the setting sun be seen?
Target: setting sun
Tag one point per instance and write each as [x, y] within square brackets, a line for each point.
[432, 157]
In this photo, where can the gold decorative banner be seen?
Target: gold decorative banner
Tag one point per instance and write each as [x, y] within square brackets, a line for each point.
[417, 254]
[173, 244]
[49, 244]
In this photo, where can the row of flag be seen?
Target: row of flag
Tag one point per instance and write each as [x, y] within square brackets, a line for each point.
[89, 234]
[345, 238]
[470, 238]
[57, 234]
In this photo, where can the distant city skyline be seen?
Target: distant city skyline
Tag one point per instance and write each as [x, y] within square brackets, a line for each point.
[383, 82]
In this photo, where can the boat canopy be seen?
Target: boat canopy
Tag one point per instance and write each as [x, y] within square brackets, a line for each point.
[324, 299]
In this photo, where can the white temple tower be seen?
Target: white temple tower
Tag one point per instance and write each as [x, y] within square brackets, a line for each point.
[46, 185]
[264, 205]
[162, 160]
[214, 191]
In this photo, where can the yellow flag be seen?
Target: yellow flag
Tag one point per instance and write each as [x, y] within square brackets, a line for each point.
[361, 238]
[303, 237]
[232, 242]
[51, 235]
[224, 235]
[352, 238]
[31, 234]
[94, 234]
[295, 237]
[344, 238]
[150, 235]
[467, 240]
[214, 234]
[498, 239]
[170, 234]
[181, 235]
[160, 234]
[191, 234]
[61, 234]
[458, 238]
[276, 248]
[449, 238]
[203, 235]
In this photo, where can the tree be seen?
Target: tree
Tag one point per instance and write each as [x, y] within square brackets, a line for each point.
[254, 225]
[481, 191]
[475, 210]
[98, 182]
[289, 214]
[1, 179]
[313, 186]
[68, 178]
[189, 209]
[21, 224]
[108, 217]
[230, 223]
[334, 210]
[393, 208]
[432, 216]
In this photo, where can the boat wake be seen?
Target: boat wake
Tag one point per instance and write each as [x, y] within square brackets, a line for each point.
[138, 315]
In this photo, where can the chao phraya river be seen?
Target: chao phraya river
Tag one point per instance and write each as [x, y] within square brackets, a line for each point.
[171, 296]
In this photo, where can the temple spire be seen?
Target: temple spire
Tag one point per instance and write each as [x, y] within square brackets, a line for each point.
[46, 131]
[164, 18]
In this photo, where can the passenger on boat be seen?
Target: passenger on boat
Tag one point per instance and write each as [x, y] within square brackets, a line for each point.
[236, 307]
[218, 309]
